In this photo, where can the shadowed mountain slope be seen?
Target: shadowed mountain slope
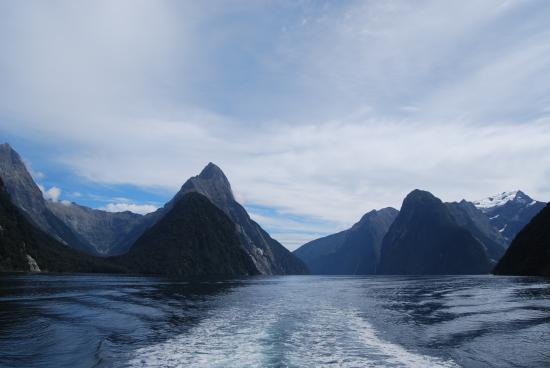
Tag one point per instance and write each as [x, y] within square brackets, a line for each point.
[355, 251]
[194, 238]
[268, 255]
[425, 239]
[24, 247]
[529, 253]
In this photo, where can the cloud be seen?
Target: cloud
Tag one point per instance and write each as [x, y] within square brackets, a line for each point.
[318, 111]
[51, 194]
[141, 209]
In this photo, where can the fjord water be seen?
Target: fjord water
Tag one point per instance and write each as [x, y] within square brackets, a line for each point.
[292, 321]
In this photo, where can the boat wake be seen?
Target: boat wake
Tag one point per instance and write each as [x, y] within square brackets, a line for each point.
[330, 337]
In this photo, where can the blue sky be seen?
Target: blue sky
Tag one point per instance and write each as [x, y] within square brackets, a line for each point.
[317, 111]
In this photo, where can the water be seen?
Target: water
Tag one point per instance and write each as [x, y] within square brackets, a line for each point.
[306, 321]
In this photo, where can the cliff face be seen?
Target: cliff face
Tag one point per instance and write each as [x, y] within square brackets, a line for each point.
[26, 195]
[92, 231]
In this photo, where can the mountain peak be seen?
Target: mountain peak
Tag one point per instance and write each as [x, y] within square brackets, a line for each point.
[387, 211]
[420, 196]
[211, 171]
[212, 183]
[426, 239]
[501, 199]
[7, 151]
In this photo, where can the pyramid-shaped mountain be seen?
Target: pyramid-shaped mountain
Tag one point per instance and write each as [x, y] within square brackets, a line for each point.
[194, 238]
[268, 255]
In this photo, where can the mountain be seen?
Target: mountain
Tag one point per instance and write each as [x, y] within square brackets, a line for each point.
[529, 253]
[92, 231]
[469, 217]
[109, 233]
[355, 251]
[268, 255]
[26, 195]
[316, 252]
[194, 238]
[24, 247]
[509, 212]
[103, 233]
[426, 239]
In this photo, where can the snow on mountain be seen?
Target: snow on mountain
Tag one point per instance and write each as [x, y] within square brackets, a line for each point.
[509, 212]
[501, 199]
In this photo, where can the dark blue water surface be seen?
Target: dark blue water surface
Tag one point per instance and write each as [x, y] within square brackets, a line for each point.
[302, 321]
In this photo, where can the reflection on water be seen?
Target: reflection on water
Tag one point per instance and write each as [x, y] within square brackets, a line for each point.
[302, 321]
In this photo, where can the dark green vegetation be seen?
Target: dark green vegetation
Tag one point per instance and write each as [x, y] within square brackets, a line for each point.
[355, 251]
[23, 247]
[529, 253]
[194, 238]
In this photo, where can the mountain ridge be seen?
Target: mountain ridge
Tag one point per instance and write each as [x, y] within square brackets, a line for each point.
[26, 248]
[354, 251]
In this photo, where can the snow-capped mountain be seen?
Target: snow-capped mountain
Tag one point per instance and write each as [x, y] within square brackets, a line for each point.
[509, 212]
[502, 198]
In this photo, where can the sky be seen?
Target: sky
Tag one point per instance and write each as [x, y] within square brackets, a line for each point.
[317, 111]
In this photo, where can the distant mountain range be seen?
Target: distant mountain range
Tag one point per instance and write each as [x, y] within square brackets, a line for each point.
[430, 237]
[106, 234]
[203, 231]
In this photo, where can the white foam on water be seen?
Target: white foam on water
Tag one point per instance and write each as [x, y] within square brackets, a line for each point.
[327, 337]
[354, 343]
[224, 339]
